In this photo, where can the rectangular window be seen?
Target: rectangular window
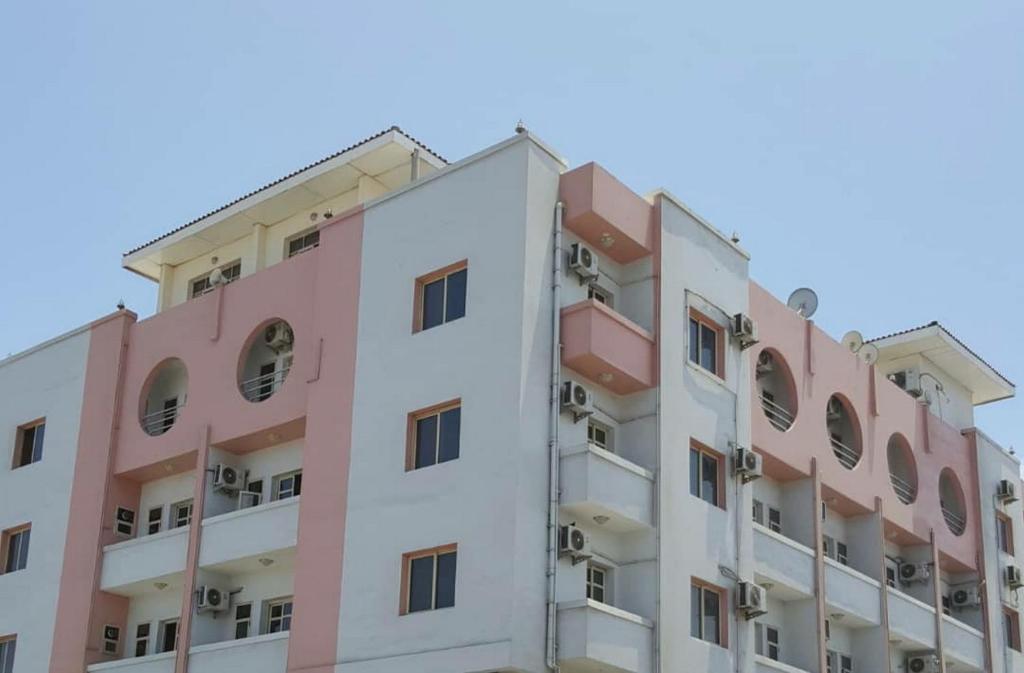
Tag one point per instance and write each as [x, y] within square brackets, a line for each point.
[1011, 629]
[111, 639]
[768, 516]
[288, 485]
[706, 621]
[774, 520]
[836, 662]
[181, 513]
[168, 636]
[834, 549]
[29, 447]
[600, 295]
[300, 243]
[434, 435]
[706, 475]
[279, 615]
[155, 520]
[7, 644]
[441, 297]
[1004, 529]
[243, 620]
[14, 548]
[201, 286]
[707, 344]
[947, 606]
[766, 641]
[890, 576]
[599, 435]
[597, 583]
[428, 579]
[142, 640]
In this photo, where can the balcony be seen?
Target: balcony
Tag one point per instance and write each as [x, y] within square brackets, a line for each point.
[252, 532]
[259, 654]
[129, 567]
[598, 483]
[607, 214]
[154, 663]
[779, 416]
[847, 456]
[783, 562]
[911, 620]
[963, 644]
[607, 348]
[956, 523]
[597, 637]
[904, 491]
[853, 594]
[763, 664]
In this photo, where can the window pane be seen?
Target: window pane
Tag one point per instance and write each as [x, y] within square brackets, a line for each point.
[695, 472]
[711, 632]
[694, 341]
[426, 441]
[708, 348]
[709, 478]
[456, 307]
[445, 580]
[140, 648]
[37, 443]
[421, 584]
[23, 549]
[695, 615]
[296, 490]
[433, 304]
[7, 656]
[241, 630]
[451, 421]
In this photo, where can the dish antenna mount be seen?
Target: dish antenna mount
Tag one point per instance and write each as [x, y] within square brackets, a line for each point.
[854, 340]
[804, 301]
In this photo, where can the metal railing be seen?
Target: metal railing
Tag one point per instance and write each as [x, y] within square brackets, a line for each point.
[847, 456]
[779, 416]
[956, 523]
[160, 421]
[261, 387]
[904, 491]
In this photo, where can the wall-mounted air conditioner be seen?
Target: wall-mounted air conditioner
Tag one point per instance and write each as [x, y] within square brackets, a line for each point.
[227, 479]
[574, 543]
[211, 599]
[583, 262]
[747, 463]
[967, 596]
[577, 399]
[914, 572]
[744, 330]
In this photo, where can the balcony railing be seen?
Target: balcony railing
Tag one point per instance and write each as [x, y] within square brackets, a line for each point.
[160, 421]
[956, 523]
[904, 491]
[847, 456]
[261, 387]
[779, 416]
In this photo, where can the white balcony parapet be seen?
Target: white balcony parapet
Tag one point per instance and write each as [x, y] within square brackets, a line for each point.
[782, 560]
[853, 592]
[143, 558]
[596, 482]
[963, 642]
[847, 456]
[594, 634]
[250, 531]
[911, 619]
[154, 663]
[259, 654]
[778, 415]
[763, 663]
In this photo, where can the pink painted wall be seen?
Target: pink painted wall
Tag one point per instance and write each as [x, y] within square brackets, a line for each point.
[598, 340]
[822, 367]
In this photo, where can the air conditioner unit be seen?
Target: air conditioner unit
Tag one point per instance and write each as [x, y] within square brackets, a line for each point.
[909, 380]
[574, 543]
[227, 479]
[765, 363]
[1006, 492]
[834, 411]
[914, 572]
[583, 261]
[923, 663]
[965, 597]
[744, 330]
[211, 599]
[1014, 577]
[124, 522]
[577, 399]
[247, 499]
[747, 463]
[751, 600]
[278, 336]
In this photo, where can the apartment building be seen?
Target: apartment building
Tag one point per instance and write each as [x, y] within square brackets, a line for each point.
[400, 414]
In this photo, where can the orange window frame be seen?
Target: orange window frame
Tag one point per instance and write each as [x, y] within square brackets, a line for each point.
[407, 559]
[5, 543]
[422, 282]
[704, 449]
[19, 440]
[719, 330]
[1006, 532]
[410, 427]
[1014, 630]
[723, 610]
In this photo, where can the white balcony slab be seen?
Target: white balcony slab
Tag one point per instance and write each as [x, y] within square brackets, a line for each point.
[255, 531]
[129, 564]
[259, 654]
[763, 664]
[852, 593]
[787, 564]
[912, 620]
[154, 663]
[596, 482]
[593, 637]
[963, 643]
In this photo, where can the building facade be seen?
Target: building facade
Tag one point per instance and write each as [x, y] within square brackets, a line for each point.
[399, 414]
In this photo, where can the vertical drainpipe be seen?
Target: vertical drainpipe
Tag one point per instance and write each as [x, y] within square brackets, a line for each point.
[656, 214]
[883, 599]
[819, 566]
[414, 168]
[551, 655]
[937, 599]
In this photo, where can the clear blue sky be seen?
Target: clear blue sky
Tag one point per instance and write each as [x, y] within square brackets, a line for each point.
[871, 150]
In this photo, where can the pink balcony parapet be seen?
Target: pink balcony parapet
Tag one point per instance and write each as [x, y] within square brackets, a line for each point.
[607, 348]
[607, 214]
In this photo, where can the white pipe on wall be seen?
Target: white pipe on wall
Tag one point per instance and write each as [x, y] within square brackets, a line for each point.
[553, 490]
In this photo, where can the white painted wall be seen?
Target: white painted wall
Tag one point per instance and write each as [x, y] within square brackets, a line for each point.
[264, 465]
[163, 493]
[254, 586]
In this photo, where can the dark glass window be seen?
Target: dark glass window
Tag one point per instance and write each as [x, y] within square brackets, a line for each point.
[704, 345]
[280, 616]
[444, 299]
[169, 635]
[243, 620]
[704, 469]
[303, 242]
[7, 655]
[141, 640]
[432, 581]
[437, 437]
[705, 613]
[16, 552]
[30, 445]
[155, 522]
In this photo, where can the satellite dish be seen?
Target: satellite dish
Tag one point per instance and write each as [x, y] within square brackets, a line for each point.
[868, 353]
[216, 278]
[853, 340]
[804, 301]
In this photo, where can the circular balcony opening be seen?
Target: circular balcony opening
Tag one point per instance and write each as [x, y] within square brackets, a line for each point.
[951, 500]
[902, 469]
[163, 397]
[776, 389]
[843, 431]
[266, 360]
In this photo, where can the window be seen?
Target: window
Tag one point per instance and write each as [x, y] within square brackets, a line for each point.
[834, 549]
[142, 640]
[434, 435]
[201, 286]
[428, 579]
[441, 297]
[1011, 629]
[599, 434]
[766, 641]
[169, 415]
[599, 294]
[706, 475]
[29, 447]
[836, 662]
[243, 620]
[155, 521]
[707, 341]
[288, 485]
[111, 639]
[774, 516]
[279, 615]
[7, 644]
[1004, 529]
[302, 242]
[597, 582]
[168, 636]
[706, 621]
[947, 606]
[181, 514]
[14, 548]
[890, 574]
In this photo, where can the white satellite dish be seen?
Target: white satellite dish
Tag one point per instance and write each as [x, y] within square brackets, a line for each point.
[804, 301]
[868, 353]
[216, 278]
[853, 340]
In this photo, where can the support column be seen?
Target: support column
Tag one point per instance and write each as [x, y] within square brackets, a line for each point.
[937, 598]
[165, 294]
[257, 249]
[819, 567]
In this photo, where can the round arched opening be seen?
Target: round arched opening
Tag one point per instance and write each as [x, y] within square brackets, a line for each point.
[843, 431]
[951, 500]
[776, 389]
[266, 360]
[902, 469]
[163, 397]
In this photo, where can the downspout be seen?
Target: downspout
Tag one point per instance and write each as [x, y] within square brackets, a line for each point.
[553, 457]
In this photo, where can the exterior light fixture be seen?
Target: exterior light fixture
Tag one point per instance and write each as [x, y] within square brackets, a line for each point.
[160, 586]
[601, 519]
[605, 377]
[607, 240]
[264, 561]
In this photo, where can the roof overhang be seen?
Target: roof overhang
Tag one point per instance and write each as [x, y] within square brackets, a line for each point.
[386, 157]
[949, 353]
